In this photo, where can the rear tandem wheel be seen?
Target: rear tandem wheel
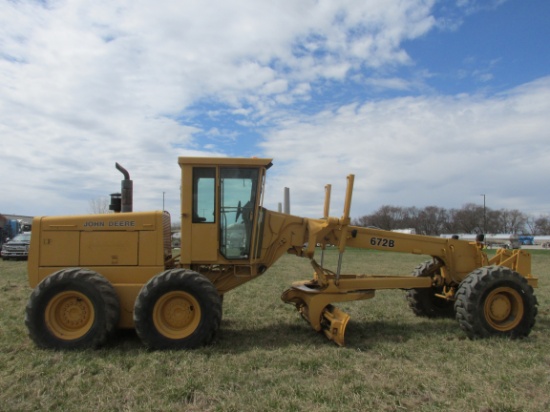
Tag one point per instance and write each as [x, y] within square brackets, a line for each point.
[72, 309]
[495, 301]
[177, 309]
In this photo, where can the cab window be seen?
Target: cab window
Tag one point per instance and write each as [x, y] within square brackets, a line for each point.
[204, 194]
[238, 188]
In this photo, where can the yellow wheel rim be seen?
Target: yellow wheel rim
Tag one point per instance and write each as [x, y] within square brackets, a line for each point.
[70, 315]
[176, 314]
[504, 309]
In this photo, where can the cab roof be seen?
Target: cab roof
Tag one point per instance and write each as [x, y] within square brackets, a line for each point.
[224, 161]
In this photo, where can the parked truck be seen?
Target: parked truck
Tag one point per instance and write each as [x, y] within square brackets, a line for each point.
[14, 243]
[17, 248]
[92, 274]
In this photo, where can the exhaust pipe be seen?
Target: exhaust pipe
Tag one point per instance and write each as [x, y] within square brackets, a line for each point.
[287, 201]
[127, 190]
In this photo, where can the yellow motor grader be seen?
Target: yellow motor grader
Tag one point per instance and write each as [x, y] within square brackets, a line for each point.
[92, 274]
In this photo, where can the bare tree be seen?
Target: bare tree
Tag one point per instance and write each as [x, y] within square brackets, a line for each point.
[541, 226]
[99, 205]
[512, 221]
[471, 218]
[387, 217]
[432, 220]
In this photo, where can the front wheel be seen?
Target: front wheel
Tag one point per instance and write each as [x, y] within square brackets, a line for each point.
[177, 309]
[495, 301]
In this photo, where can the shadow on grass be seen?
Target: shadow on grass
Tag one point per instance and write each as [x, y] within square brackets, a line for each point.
[234, 338]
[124, 340]
[359, 335]
[542, 324]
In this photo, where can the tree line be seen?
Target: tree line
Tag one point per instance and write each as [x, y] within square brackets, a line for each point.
[471, 218]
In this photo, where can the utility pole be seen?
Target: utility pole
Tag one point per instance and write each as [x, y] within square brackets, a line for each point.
[484, 216]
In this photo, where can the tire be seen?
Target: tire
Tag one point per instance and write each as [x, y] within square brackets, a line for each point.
[177, 309]
[423, 301]
[72, 309]
[495, 301]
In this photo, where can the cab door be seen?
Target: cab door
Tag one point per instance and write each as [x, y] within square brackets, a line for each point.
[238, 201]
[218, 214]
[203, 240]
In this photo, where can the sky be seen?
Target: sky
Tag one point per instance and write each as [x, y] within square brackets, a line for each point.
[426, 102]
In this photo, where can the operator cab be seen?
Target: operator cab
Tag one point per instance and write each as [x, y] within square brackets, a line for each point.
[220, 201]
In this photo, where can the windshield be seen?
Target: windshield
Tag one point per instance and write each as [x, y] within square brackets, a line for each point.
[22, 237]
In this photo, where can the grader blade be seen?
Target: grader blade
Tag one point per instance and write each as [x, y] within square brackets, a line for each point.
[334, 324]
[314, 305]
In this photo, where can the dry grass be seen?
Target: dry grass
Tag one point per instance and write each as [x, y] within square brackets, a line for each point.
[267, 358]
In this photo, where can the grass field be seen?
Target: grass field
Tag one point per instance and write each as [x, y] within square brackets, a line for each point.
[267, 358]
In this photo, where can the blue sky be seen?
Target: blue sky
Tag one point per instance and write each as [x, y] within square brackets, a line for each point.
[427, 102]
[497, 47]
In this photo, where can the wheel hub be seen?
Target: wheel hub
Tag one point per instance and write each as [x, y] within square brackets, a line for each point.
[69, 315]
[504, 309]
[500, 308]
[176, 314]
[73, 313]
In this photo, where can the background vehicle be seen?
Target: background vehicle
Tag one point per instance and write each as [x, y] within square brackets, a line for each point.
[492, 240]
[94, 273]
[17, 248]
[527, 240]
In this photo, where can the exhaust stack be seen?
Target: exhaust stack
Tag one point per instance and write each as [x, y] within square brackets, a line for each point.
[127, 190]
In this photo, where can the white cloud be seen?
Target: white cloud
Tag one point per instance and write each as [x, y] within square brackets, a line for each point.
[86, 83]
[420, 151]
[163, 56]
